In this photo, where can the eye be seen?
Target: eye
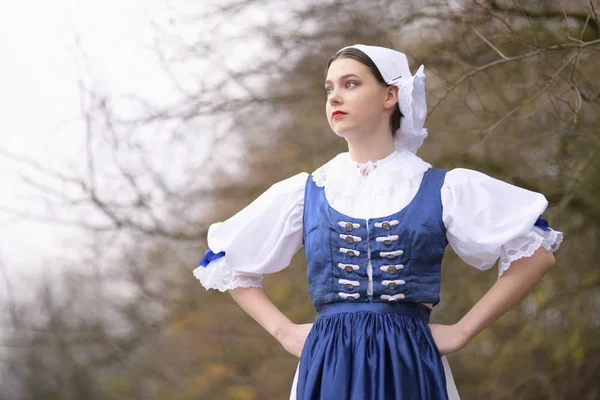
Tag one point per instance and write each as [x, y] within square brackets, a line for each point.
[351, 84]
[328, 90]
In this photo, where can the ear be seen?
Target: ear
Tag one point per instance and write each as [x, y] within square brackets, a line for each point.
[391, 97]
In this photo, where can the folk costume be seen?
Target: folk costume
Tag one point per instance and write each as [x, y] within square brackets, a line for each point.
[374, 235]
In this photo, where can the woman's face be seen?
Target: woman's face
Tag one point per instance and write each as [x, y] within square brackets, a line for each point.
[357, 104]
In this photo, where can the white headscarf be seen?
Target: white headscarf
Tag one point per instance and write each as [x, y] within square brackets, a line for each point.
[393, 66]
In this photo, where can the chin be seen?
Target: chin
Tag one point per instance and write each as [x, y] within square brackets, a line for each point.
[347, 134]
[340, 134]
[342, 131]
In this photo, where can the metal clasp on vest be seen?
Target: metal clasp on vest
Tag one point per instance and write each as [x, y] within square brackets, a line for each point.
[348, 267]
[350, 239]
[349, 284]
[349, 226]
[393, 284]
[391, 254]
[391, 269]
[387, 225]
[387, 240]
[392, 298]
[350, 252]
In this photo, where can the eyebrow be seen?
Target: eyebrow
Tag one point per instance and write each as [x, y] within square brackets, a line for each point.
[343, 77]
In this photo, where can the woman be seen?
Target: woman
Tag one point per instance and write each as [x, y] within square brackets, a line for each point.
[374, 223]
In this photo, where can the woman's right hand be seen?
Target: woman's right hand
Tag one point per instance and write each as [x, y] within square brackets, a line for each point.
[293, 337]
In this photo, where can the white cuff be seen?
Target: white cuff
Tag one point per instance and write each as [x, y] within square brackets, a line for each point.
[218, 275]
[525, 245]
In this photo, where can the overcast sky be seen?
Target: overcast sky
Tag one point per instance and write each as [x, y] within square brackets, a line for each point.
[40, 65]
[47, 47]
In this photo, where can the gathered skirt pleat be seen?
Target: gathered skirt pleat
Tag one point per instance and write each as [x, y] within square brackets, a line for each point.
[371, 351]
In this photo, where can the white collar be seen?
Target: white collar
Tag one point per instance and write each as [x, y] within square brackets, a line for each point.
[344, 175]
[365, 169]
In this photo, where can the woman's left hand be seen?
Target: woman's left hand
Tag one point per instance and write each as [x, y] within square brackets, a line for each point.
[448, 338]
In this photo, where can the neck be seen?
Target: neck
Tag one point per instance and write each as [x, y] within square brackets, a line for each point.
[371, 147]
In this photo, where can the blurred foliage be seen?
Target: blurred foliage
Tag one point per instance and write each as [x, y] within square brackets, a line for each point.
[512, 91]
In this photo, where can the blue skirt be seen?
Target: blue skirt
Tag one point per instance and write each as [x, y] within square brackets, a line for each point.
[371, 351]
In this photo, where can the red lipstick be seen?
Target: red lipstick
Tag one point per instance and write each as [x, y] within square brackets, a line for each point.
[337, 114]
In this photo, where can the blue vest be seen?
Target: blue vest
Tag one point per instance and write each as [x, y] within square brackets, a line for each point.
[405, 249]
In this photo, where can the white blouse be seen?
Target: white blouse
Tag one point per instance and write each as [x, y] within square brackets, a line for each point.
[486, 219]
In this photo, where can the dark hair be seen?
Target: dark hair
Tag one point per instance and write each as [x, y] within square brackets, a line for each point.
[361, 57]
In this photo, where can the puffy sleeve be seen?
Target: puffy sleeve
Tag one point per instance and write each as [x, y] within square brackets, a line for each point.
[487, 219]
[262, 238]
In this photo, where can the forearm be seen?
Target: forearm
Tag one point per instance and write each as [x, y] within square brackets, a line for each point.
[508, 290]
[261, 309]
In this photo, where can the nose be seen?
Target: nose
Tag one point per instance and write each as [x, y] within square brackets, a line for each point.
[335, 98]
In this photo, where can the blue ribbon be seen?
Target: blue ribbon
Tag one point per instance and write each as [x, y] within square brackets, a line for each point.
[210, 256]
[543, 224]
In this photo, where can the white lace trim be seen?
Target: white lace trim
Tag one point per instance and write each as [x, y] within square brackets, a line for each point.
[341, 174]
[320, 176]
[526, 245]
[218, 275]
